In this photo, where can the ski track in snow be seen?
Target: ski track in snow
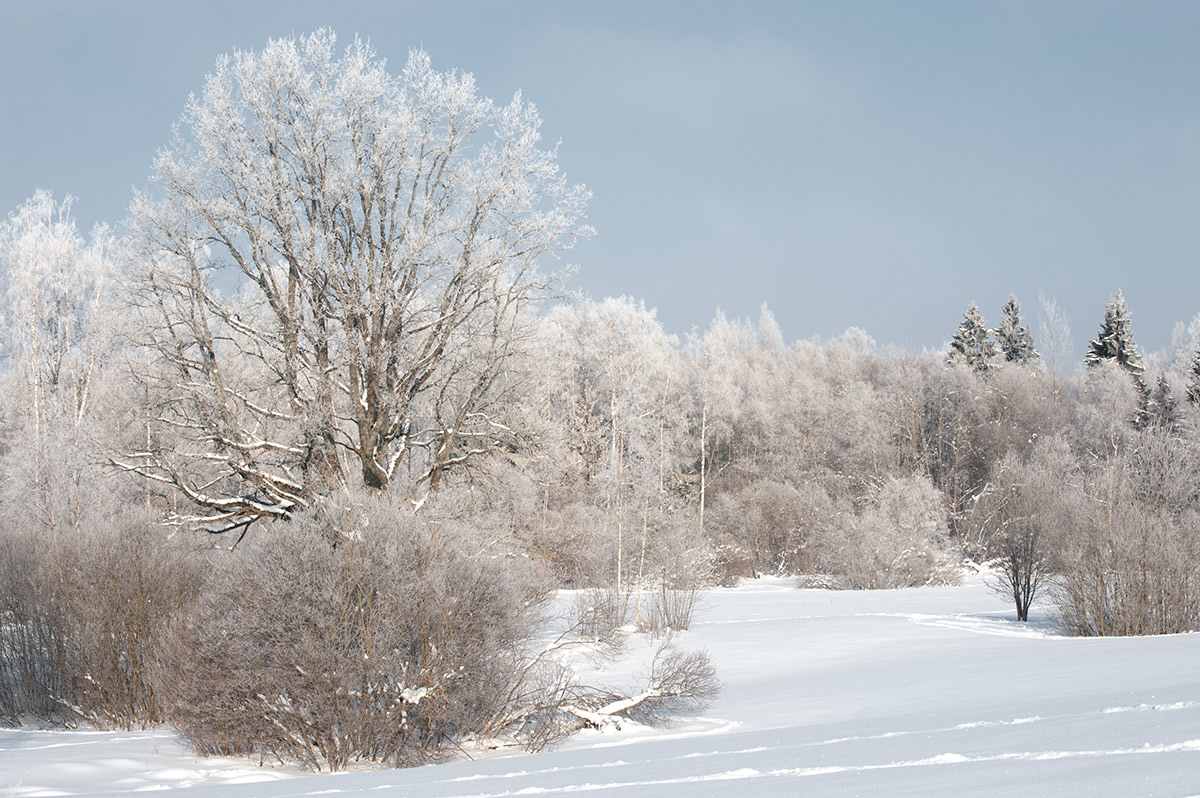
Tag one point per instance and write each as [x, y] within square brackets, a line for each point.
[782, 774]
[981, 625]
[522, 773]
[747, 773]
[939, 760]
[966, 622]
[1192, 745]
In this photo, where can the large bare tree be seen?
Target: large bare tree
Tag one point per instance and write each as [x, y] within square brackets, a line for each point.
[330, 273]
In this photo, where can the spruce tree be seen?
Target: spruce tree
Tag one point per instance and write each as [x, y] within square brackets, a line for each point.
[1013, 339]
[1115, 342]
[972, 344]
[1162, 410]
[1193, 387]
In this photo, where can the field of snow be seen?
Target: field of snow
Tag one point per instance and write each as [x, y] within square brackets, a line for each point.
[934, 691]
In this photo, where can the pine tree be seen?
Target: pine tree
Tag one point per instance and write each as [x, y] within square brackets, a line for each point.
[972, 344]
[1013, 339]
[1115, 342]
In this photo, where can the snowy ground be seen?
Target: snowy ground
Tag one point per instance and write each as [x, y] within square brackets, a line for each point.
[916, 692]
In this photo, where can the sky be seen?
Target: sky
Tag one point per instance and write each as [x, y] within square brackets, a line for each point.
[871, 164]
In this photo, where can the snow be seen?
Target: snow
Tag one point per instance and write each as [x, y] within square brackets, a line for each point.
[934, 691]
[37, 762]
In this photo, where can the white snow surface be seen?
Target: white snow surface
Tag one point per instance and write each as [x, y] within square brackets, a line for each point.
[924, 692]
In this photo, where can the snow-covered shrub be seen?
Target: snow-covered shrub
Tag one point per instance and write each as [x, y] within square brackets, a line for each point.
[132, 581]
[361, 631]
[33, 638]
[602, 608]
[1134, 572]
[569, 543]
[899, 539]
[682, 570]
[84, 614]
[764, 526]
[1129, 551]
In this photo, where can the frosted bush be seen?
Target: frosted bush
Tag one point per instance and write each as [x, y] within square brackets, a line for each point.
[898, 540]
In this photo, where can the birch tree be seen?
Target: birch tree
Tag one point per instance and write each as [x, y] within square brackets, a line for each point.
[54, 286]
[608, 370]
[1054, 331]
[331, 270]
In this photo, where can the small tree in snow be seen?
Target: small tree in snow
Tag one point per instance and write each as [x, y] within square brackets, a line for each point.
[1011, 518]
[1013, 339]
[972, 344]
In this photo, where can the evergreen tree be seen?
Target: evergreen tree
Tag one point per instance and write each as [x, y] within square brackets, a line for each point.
[1193, 388]
[1115, 342]
[1162, 410]
[1013, 339]
[972, 344]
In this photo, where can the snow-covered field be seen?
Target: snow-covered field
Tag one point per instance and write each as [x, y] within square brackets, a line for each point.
[917, 692]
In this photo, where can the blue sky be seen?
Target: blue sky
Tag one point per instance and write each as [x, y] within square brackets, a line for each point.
[872, 164]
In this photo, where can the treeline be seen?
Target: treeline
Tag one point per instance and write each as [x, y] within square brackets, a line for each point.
[298, 459]
[877, 469]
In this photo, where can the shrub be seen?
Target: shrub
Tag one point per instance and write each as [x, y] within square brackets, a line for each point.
[84, 613]
[1127, 543]
[361, 631]
[34, 672]
[1129, 570]
[899, 539]
[765, 524]
[685, 571]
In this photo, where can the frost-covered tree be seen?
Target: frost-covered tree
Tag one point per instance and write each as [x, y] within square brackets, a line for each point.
[53, 285]
[899, 539]
[1162, 409]
[331, 273]
[1193, 383]
[54, 333]
[1115, 340]
[1185, 340]
[1054, 331]
[972, 343]
[607, 372]
[1017, 519]
[1115, 343]
[1013, 339]
[736, 387]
